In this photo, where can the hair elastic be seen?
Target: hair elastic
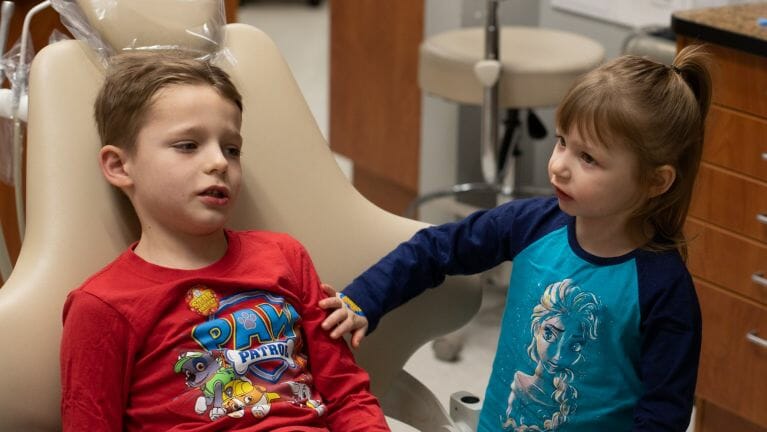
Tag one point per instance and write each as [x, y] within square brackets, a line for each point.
[676, 69]
[349, 304]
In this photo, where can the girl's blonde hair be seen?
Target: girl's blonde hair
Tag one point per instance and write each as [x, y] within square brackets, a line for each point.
[659, 112]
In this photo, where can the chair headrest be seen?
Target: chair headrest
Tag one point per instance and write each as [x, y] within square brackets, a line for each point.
[114, 26]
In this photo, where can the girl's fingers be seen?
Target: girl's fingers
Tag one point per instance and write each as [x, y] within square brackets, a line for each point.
[341, 329]
[329, 290]
[331, 303]
[338, 316]
[357, 337]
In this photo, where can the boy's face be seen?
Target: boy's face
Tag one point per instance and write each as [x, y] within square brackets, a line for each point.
[594, 182]
[185, 168]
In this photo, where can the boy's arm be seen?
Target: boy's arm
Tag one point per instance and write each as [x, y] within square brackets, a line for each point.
[94, 371]
[475, 244]
[344, 386]
[671, 329]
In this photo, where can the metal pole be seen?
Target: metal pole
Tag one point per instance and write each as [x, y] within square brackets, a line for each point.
[489, 135]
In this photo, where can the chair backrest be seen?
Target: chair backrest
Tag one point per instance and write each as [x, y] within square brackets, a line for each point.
[77, 223]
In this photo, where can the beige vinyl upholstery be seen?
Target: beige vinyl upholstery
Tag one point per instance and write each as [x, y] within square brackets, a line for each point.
[538, 65]
[77, 223]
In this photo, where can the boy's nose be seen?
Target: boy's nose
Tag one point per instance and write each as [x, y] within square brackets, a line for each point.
[216, 161]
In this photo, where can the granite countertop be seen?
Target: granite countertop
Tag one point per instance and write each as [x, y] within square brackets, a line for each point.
[734, 26]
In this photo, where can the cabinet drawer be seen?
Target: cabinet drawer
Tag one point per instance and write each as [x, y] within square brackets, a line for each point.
[736, 141]
[727, 260]
[733, 370]
[731, 201]
[711, 418]
[739, 80]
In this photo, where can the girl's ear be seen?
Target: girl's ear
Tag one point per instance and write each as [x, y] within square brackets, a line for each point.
[661, 180]
[113, 160]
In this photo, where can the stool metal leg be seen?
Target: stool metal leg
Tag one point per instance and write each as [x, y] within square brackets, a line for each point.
[493, 181]
[489, 132]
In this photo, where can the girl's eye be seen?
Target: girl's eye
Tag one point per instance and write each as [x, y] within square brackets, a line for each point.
[588, 159]
[561, 141]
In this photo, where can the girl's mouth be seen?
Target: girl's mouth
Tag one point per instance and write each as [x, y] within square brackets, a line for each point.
[561, 195]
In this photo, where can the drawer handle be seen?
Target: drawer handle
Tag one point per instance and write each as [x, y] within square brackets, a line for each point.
[764, 156]
[756, 340]
[762, 217]
[759, 278]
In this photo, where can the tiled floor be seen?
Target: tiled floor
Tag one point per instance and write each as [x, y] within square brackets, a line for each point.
[301, 33]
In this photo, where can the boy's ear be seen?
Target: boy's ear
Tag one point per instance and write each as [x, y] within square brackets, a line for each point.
[112, 160]
[661, 180]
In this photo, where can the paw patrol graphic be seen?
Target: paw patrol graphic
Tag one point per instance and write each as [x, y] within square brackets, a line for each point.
[251, 356]
[302, 394]
[259, 328]
[202, 300]
[223, 391]
[241, 395]
[206, 372]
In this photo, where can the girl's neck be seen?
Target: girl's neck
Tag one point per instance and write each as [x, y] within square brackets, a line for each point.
[608, 239]
[183, 252]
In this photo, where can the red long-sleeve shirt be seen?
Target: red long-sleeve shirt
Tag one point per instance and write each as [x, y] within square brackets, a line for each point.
[234, 346]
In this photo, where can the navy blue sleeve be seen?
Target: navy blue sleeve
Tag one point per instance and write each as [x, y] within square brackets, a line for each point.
[475, 244]
[671, 337]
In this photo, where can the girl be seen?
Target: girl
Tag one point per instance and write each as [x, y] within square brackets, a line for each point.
[630, 135]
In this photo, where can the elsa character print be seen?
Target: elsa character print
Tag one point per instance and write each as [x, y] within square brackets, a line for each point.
[564, 320]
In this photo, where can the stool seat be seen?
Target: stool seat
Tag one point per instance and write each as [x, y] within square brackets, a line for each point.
[538, 65]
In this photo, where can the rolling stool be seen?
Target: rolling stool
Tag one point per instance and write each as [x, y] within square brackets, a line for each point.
[515, 69]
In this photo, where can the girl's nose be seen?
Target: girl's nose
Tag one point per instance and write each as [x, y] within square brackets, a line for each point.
[558, 166]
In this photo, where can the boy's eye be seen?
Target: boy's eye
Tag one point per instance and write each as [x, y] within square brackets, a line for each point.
[234, 151]
[185, 146]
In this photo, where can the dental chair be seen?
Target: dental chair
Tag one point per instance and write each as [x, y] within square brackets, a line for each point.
[77, 223]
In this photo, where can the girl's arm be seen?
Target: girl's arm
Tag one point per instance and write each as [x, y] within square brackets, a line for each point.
[671, 338]
[475, 244]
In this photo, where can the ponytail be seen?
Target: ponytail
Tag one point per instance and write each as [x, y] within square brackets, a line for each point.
[692, 64]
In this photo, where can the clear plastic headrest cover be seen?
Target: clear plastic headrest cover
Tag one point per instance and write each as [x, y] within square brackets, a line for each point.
[112, 26]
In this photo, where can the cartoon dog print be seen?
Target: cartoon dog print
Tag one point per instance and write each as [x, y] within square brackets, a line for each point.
[240, 394]
[206, 372]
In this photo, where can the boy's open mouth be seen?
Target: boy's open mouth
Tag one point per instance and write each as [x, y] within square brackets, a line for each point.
[216, 192]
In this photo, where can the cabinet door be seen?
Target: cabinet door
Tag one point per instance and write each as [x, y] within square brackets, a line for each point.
[733, 370]
[375, 102]
[711, 418]
[736, 141]
[726, 259]
[731, 201]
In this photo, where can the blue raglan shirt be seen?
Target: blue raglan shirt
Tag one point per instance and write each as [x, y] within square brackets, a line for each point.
[586, 344]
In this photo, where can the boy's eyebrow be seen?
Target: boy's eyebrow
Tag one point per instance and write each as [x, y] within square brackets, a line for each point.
[233, 133]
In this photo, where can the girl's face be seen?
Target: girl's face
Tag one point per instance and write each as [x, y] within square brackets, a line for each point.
[592, 182]
[558, 342]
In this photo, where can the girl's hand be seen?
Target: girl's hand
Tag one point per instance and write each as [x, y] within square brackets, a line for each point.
[343, 319]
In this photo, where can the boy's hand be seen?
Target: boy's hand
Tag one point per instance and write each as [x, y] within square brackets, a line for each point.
[342, 320]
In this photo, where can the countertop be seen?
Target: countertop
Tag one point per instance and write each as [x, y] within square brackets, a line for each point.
[734, 26]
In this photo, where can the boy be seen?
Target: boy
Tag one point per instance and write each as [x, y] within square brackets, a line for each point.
[196, 327]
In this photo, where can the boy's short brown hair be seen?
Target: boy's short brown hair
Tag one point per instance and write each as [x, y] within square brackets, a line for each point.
[132, 80]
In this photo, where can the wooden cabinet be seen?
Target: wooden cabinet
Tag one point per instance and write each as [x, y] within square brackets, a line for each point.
[727, 228]
[375, 102]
